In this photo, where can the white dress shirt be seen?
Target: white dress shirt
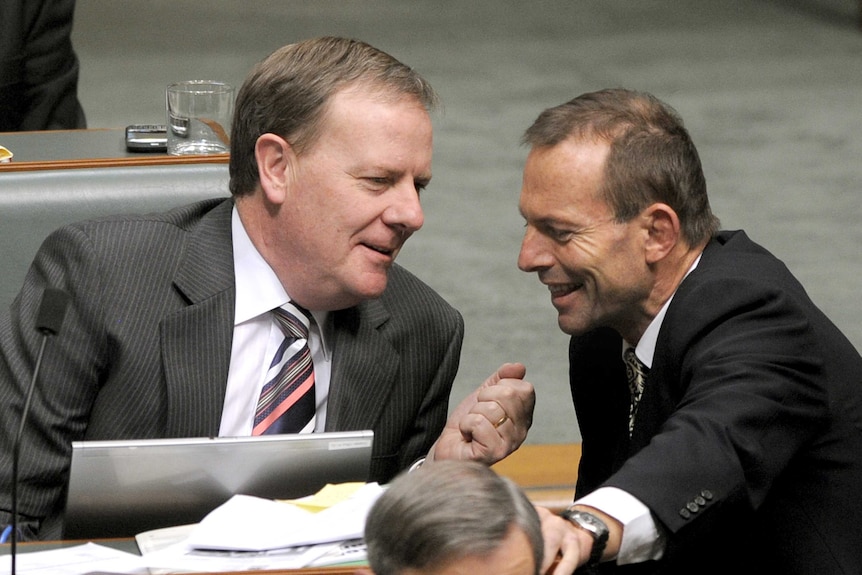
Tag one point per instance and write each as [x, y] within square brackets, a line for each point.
[256, 337]
[641, 539]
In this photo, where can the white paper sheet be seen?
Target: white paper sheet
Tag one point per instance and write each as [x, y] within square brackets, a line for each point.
[246, 523]
[182, 558]
[76, 560]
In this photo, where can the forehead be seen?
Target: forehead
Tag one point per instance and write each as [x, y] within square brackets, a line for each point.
[374, 126]
[361, 106]
[563, 180]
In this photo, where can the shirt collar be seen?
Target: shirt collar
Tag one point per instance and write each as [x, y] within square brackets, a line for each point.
[258, 290]
[645, 349]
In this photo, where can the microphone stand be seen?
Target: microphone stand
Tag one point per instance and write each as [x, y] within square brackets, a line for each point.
[52, 308]
[16, 449]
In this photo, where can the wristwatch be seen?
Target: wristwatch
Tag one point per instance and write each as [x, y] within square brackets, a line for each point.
[592, 525]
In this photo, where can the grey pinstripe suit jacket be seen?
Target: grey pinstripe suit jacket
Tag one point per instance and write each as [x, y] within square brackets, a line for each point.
[145, 347]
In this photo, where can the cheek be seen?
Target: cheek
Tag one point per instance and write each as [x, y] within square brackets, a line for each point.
[579, 259]
[622, 257]
[342, 213]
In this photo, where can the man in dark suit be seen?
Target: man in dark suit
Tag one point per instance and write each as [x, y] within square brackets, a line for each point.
[38, 66]
[720, 410]
[170, 330]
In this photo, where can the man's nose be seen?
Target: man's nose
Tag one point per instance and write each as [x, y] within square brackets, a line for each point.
[405, 210]
[532, 256]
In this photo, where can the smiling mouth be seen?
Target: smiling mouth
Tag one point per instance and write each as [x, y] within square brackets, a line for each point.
[380, 250]
[560, 290]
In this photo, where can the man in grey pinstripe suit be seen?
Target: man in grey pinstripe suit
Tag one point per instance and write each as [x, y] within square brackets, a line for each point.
[169, 326]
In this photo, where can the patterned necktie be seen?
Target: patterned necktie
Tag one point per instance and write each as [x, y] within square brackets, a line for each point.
[635, 373]
[286, 403]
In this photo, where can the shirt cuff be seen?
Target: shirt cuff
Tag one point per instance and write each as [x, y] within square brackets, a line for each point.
[641, 540]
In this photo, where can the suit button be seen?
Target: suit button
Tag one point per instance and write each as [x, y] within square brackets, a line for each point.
[692, 506]
[700, 500]
[706, 494]
[685, 513]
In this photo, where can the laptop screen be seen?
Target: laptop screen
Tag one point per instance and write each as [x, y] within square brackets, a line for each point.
[120, 488]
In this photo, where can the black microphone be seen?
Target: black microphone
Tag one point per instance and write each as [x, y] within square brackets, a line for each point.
[48, 322]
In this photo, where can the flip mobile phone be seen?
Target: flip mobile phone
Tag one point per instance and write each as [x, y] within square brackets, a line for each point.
[147, 138]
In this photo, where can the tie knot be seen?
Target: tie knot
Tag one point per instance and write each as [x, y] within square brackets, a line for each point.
[293, 320]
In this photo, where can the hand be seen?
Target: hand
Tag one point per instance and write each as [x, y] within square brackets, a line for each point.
[565, 544]
[491, 422]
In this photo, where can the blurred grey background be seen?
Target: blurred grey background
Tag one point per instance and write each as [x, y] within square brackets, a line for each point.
[771, 91]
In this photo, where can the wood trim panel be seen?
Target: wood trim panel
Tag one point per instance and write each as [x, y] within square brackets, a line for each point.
[143, 160]
[546, 472]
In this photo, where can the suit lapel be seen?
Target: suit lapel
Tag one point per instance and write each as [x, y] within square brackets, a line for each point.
[196, 341]
[364, 367]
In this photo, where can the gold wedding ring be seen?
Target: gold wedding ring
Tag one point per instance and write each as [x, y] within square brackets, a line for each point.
[501, 421]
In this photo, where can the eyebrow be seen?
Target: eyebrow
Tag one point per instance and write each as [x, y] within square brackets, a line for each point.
[422, 180]
[548, 221]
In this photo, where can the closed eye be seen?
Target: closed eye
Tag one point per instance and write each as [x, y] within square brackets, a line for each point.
[560, 235]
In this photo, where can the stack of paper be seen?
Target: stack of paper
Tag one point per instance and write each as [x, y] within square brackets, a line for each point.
[250, 533]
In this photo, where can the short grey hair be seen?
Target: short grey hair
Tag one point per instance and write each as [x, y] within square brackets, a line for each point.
[444, 511]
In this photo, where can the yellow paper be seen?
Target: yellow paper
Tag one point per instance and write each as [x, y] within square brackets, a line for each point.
[331, 494]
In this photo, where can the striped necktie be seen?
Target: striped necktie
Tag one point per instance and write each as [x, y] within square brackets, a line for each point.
[635, 373]
[286, 403]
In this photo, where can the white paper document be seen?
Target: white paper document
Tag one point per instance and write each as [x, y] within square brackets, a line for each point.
[249, 533]
[76, 560]
[182, 558]
[247, 523]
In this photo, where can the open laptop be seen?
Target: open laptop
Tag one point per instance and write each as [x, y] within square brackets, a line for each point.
[123, 487]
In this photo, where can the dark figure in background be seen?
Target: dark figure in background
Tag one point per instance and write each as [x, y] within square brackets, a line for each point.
[744, 451]
[38, 67]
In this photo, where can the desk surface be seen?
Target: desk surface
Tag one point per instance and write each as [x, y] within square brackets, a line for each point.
[63, 149]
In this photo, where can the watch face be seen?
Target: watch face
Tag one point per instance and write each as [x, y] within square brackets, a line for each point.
[589, 522]
[595, 527]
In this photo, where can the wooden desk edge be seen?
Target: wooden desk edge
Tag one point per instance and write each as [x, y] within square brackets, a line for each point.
[142, 160]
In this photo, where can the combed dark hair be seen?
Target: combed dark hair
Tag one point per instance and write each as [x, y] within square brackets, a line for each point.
[652, 157]
[445, 511]
[287, 92]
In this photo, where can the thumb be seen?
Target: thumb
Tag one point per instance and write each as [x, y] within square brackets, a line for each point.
[507, 371]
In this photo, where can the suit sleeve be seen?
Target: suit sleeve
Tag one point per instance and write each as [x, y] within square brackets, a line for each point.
[68, 380]
[433, 410]
[395, 362]
[736, 390]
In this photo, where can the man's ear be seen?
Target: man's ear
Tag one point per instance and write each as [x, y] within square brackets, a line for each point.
[663, 231]
[275, 158]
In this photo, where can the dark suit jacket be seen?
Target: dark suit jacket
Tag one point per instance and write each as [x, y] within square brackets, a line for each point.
[747, 445]
[145, 347]
[38, 66]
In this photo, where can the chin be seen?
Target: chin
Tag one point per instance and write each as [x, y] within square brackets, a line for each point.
[372, 289]
[571, 327]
